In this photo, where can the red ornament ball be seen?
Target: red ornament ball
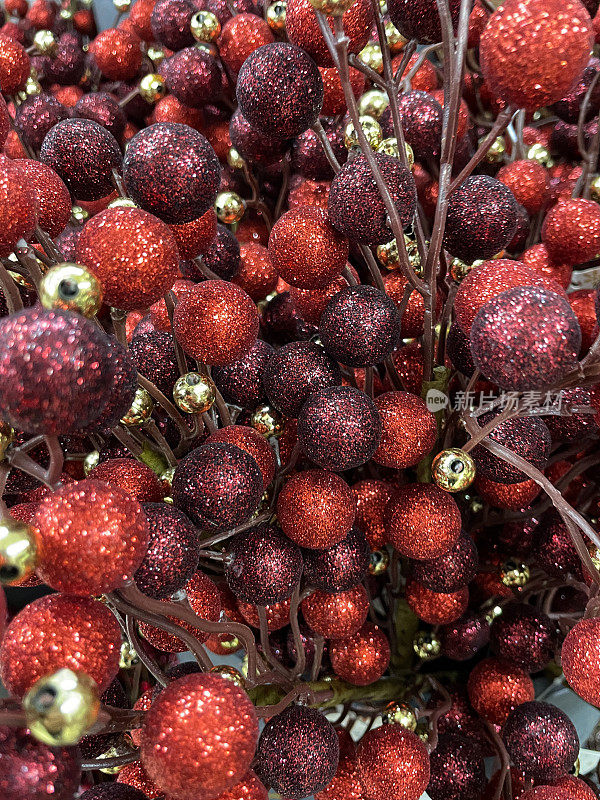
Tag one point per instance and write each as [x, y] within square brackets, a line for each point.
[361, 659]
[134, 775]
[393, 762]
[527, 437]
[524, 636]
[372, 496]
[338, 568]
[253, 443]
[574, 788]
[242, 35]
[193, 238]
[103, 109]
[170, 23]
[18, 205]
[249, 788]
[436, 608]
[457, 769]
[14, 66]
[277, 615]
[513, 496]
[35, 117]
[256, 274]
[580, 656]
[59, 631]
[419, 19]
[53, 201]
[571, 231]
[240, 382]
[193, 77]
[538, 258]
[451, 571]
[303, 29]
[199, 737]
[409, 430]
[336, 616]
[421, 117]
[464, 638]
[345, 784]
[496, 688]
[117, 54]
[132, 476]
[529, 182]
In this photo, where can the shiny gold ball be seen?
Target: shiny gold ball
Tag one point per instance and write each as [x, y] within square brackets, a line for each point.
[379, 561]
[122, 5]
[267, 421]
[372, 57]
[459, 270]
[492, 613]
[71, 287]
[595, 189]
[388, 254]
[152, 87]
[422, 731]
[205, 26]
[395, 39]
[399, 714]
[194, 393]
[90, 461]
[79, 214]
[541, 154]
[128, 657]
[234, 159]
[156, 54]
[389, 147]
[427, 645]
[230, 207]
[335, 8]
[496, 152]
[60, 708]
[276, 16]
[371, 129]
[476, 505]
[140, 410]
[123, 202]
[514, 574]
[373, 103]
[229, 674]
[7, 435]
[453, 470]
[18, 551]
[46, 43]
[67, 14]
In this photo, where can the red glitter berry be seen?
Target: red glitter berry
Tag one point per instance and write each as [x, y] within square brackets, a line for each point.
[408, 432]
[338, 568]
[256, 274]
[361, 659]
[53, 201]
[253, 443]
[436, 608]
[372, 497]
[336, 616]
[35, 117]
[580, 656]
[525, 636]
[170, 23]
[464, 638]
[17, 206]
[393, 763]
[194, 77]
[195, 237]
[240, 382]
[241, 36]
[103, 109]
[419, 19]
[249, 788]
[303, 29]
[132, 476]
[527, 437]
[117, 54]
[571, 231]
[496, 688]
[14, 66]
[528, 181]
[422, 521]
[451, 571]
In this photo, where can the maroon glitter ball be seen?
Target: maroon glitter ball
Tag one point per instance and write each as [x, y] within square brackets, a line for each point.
[482, 218]
[553, 548]
[569, 107]
[339, 428]
[30, 770]
[296, 370]
[421, 116]
[525, 338]
[252, 144]
[419, 19]
[280, 90]
[525, 636]
[170, 21]
[154, 357]
[570, 426]
[67, 241]
[35, 117]
[528, 437]
[122, 389]
[172, 171]
[218, 486]
[240, 382]
[263, 566]
[451, 571]
[84, 154]
[56, 371]
[457, 770]
[360, 326]
[541, 741]
[172, 556]
[365, 221]
[194, 77]
[464, 638]
[298, 752]
[103, 109]
[458, 350]
[308, 156]
[68, 65]
[222, 257]
[113, 791]
[340, 567]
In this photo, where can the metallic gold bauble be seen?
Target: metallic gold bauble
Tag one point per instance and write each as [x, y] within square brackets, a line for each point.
[514, 573]
[399, 714]
[79, 214]
[335, 8]
[140, 410]
[152, 87]
[372, 57]
[205, 26]
[167, 476]
[371, 129]
[492, 613]
[156, 54]
[230, 207]
[267, 421]
[46, 43]
[388, 254]
[395, 39]
[234, 159]
[373, 103]
[541, 154]
[90, 461]
[7, 435]
[123, 202]
[194, 393]
[427, 645]
[595, 189]
[67, 14]
[60, 708]
[18, 551]
[379, 562]
[276, 16]
[128, 657]
[229, 674]
[122, 5]
[496, 151]
[389, 147]
[71, 287]
[459, 270]
[422, 731]
[453, 470]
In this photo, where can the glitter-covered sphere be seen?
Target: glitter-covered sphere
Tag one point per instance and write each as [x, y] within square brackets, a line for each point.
[216, 322]
[84, 154]
[303, 29]
[263, 566]
[571, 231]
[338, 568]
[436, 608]
[56, 368]
[241, 36]
[528, 437]
[554, 550]
[580, 659]
[360, 326]
[421, 117]
[280, 90]
[170, 23]
[172, 554]
[482, 218]
[541, 741]
[457, 769]
[336, 616]
[14, 66]
[452, 570]
[132, 253]
[17, 206]
[423, 521]
[172, 171]
[366, 221]
[464, 638]
[533, 53]
[117, 54]
[103, 109]
[409, 430]
[298, 752]
[420, 20]
[194, 77]
[249, 788]
[217, 485]
[35, 117]
[525, 338]
[253, 443]
[52, 196]
[361, 659]
[240, 382]
[339, 428]
[199, 737]
[529, 182]
[372, 497]
[113, 791]
[393, 762]
[196, 236]
[496, 687]
[59, 631]
[153, 355]
[524, 636]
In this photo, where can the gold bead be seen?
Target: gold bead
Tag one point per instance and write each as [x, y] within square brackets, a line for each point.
[152, 87]
[335, 8]
[371, 129]
[79, 214]
[60, 708]
[156, 55]
[459, 270]
[71, 287]
[388, 254]
[372, 57]
[122, 5]
[140, 410]
[7, 435]
[422, 731]
[373, 103]
[276, 16]
[90, 461]
[234, 159]
[427, 645]
[496, 152]
[541, 154]
[230, 207]
[492, 613]
[18, 551]
[399, 714]
[229, 674]
[194, 393]
[595, 189]
[67, 14]
[205, 26]
[167, 476]
[453, 470]
[514, 574]
[395, 39]
[267, 421]
[114, 752]
[123, 202]
[389, 147]
[379, 561]
[128, 657]
[46, 43]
